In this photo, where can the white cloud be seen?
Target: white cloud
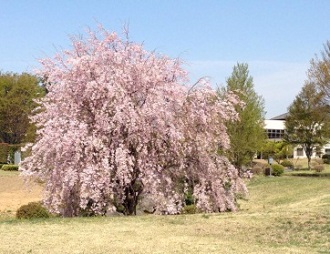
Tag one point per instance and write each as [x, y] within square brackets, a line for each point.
[277, 82]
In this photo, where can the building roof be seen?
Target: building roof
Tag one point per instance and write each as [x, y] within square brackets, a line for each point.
[280, 117]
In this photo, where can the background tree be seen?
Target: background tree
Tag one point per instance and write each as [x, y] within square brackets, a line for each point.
[319, 72]
[17, 92]
[118, 123]
[278, 150]
[308, 122]
[247, 135]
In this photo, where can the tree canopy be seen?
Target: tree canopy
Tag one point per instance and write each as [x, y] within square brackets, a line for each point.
[319, 72]
[119, 123]
[248, 134]
[278, 150]
[308, 120]
[17, 92]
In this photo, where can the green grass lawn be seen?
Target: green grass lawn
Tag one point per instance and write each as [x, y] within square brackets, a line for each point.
[282, 215]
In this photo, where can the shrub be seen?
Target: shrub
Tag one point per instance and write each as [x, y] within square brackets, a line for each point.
[277, 169]
[189, 209]
[326, 158]
[318, 168]
[318, 160]
[287, 164]
[257, 170]
[10, 167]
[32, 210]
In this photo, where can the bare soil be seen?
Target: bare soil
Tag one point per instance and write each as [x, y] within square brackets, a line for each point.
[15, 193]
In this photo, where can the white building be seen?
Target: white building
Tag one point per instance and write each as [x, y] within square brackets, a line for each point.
[275, 129]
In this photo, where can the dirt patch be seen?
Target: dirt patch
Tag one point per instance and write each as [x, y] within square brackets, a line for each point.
[14, 193]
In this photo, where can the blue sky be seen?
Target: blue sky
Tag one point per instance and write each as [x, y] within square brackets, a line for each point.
[276, 38]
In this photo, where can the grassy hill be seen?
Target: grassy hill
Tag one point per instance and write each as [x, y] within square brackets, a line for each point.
[283, 215]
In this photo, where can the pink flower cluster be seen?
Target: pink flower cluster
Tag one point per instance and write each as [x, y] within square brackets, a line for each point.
[118, 122]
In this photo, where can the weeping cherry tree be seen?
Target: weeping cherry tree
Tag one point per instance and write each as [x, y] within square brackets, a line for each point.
[119, 122]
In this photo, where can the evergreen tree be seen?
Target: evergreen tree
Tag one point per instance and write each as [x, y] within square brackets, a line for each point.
[247, 135]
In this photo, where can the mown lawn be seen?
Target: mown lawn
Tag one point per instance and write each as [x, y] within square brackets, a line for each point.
[283, 215]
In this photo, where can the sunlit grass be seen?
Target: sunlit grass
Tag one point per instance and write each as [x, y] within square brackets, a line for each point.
[282, 215]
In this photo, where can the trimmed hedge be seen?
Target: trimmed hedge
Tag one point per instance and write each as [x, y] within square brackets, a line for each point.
[303, 174]
[287, 164]
[10, 167]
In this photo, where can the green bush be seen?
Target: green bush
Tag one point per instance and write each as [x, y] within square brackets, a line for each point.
[4, 150]
[287, 164]
[10, 167]
[277, 169]
[32, 210]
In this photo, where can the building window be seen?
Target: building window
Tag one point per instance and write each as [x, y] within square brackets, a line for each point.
[275, 133]
[300, 152]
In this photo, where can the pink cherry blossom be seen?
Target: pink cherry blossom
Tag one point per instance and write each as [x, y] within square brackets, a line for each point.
[119, 122]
